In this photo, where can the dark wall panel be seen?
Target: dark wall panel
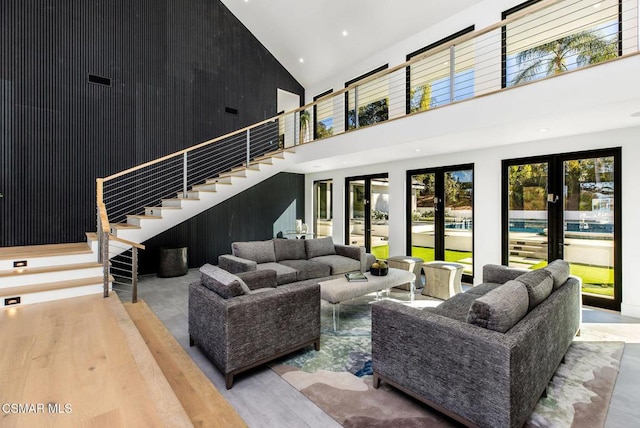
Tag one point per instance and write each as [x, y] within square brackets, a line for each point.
[173, 67]
[255, 214]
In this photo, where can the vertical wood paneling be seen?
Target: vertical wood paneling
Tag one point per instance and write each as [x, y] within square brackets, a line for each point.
[173, 67]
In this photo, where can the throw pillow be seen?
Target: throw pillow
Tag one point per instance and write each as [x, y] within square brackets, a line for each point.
[221, 282]
[539, 284]
[290, 249]
[258, 251]
[319, 247]
[560, 272]
[501, 308]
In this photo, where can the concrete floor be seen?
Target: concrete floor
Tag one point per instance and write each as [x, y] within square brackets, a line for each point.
[264, 399]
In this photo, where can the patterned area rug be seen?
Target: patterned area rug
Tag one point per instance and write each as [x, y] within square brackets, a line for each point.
[338, 380]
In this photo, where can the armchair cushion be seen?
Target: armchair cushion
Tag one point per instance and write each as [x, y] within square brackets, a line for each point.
[258, 251]
[223, 283]
[501, 308]
[539, 284]
[290, 249]
[560, 271]
[319, 247]
[457, 309]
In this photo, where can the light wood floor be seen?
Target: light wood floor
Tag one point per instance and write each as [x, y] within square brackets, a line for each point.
[204, 405]
[85, 355]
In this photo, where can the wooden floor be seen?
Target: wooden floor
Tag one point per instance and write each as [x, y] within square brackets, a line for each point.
[80, 362]
[204, 405]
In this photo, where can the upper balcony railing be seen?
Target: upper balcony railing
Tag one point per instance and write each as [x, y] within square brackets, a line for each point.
[548, 38]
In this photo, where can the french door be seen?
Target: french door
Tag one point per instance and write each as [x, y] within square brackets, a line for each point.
[440, 215]
[368, 213]
[567, 206]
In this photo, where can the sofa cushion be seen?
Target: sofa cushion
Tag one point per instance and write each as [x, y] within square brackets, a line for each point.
[289, 249]
[319, 247]
[284, 274]
[308, 269]
[539, 284]
[456, 308]
[221, 282]
[482, 289]
[258, 251]
[560, 272]
[501, 308]
[339, 264]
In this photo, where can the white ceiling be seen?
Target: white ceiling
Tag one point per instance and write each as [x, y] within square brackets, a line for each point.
[312, 29]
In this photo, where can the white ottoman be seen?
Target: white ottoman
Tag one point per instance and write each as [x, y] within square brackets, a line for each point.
[412, 264]
[443, 279]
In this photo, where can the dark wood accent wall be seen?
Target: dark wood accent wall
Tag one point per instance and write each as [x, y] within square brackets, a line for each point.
[256, 214]
[89, 88]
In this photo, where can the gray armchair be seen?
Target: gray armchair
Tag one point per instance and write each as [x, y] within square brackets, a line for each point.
[241, 332]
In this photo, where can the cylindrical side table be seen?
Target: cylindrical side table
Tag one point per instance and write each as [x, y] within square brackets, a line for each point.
[173, 262]
[443, 279]
[412, 264]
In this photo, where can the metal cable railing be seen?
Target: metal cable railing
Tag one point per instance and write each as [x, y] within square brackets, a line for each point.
[546, 39]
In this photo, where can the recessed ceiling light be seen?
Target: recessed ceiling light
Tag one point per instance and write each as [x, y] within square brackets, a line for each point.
[597, 5]
[418, 150]
[543, 129]
[345, 33]
[316, 167]
[301, 60]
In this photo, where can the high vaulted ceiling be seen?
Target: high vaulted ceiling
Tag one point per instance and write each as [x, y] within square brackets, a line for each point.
[313, 29]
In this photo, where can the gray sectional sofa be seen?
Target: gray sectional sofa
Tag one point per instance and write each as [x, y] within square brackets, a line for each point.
[483, 357]
[295, 260]
[242, 321]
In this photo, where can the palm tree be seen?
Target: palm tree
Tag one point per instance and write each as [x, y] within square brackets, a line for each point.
[588, 48]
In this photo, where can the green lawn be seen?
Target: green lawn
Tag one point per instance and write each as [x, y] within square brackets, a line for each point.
[595, 279]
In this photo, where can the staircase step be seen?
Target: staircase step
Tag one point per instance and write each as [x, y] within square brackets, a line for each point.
[239, 173]
[33, 275]
[202, 402]
[117, 226]
[49, 250]
[157, 211]
[136, 220]
[252, 167]
[64, 288]
[174, 202]
[206, 187]
[219, 180]
[189, 196]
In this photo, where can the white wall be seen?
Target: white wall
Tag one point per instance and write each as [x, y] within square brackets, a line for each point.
[487, 203]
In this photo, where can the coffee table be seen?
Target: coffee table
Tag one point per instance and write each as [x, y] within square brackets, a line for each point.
[340, 289]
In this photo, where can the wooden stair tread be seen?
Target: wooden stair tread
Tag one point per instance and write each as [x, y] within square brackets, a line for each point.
[92, 236]
[202, 402]
[47, 250]
[123, 226]
[48, 269]
[163, 208]
[50, 286]
[146, 217]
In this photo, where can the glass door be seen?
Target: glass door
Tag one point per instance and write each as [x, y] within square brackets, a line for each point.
[441, 215]
[368, 213]
[589, 224]
[566, 207]
[323, 208]
[528, 214]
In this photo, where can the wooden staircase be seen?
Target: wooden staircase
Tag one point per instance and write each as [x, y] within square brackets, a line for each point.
[200, 197]
[39, 273]
[32, 274]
